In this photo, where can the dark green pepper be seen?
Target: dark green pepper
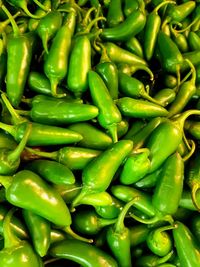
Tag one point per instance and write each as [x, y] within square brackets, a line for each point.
[115, 14]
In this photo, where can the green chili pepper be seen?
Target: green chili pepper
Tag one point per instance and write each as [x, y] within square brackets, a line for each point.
[88, 222]
[122, 128]
[165, 96]
[92, 136]
[3, 62]
[82, 253]
[186, 247]
[135, 127]
[151, 260]
[39, 229]
[33, 23]
[131, 26]
[171, 177]
[185, 93]
[152, 29]
[193, 57]
[167, 130]
[138, 234]
[130, 6]
[115, 14]
[110, 211]
[178, 13]
[52, 171]
[75, 158]
[137, 108]
[48, 26]
[57, 235]
[40, 135]
[134, 46]
[23, 4]
[193, 127]
[79, 65]
[180, 40]
[38, 193]
[109, 114]
[120, 55]
[98, 175]
[170, 56]
[135, 167]
[19, 55]
[159, 241]
[38, 83]
[133, 87]
[109, 73]
[60, 112]
[118, 238]
[16, 251]
[170, 81]
[16, 225]
[6, 140]
[127, 193]
[192, 178]
[186, 201]
[149, 181]
[10, 159]
[193, 40]
[56, 63]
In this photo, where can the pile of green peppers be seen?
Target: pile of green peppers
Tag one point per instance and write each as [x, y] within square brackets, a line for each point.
[99, 133]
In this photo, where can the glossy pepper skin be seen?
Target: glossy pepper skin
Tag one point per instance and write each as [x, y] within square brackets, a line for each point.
[115, 13]
[60, 113]
[98, 175]
[16, 251]
[171, 57]
[48, 26]
[131, 26]
[56, 63]
[52, 171]
[186, 246]
[40, 231]
[169, 184]
[54, 208]
[79, 66]
[109, 115]
[82, 253]
[19, 54]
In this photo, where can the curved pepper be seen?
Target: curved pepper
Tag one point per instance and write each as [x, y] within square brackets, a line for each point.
[98, 175]
[82, 253]
[16, 251]
[115, 14]
[109, 115]
[131, 26]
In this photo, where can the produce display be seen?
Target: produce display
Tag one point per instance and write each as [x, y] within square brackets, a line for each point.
[99, 133]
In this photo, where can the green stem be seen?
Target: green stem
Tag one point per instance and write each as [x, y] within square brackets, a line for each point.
[165, 258]
[106, 222]
[190, 25]
[183, 116]
[87, 15]
[50, 155]
[54, 84]
[10, 240]
[191, 151]
[15, 116]
[15, 27]
[153, 220]
[26, 10]
[15, 154]
[162, 4]
[195, 188]
[41, 5]
[119, 225]
[6, 181]
[5, 23]
[91, 24]
[137, 67]
[164, 228]
[69, 231]
[78, 199]
[193, 70]
[8, 128]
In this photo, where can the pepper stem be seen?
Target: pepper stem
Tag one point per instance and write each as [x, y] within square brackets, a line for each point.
[15, 27]
[28, 13]
[69, 231]
[6, 181]
[137, 67]
[17, 119]
[193, 70]
[15, 154]
[54, 84]
[91, 24]
[155, 219]
[5, 23]
[192, 148]
[41, 5]
[10, 240]
[8, 128]
[195, 188]
[164, 228]
[119, 225]
[162, 4]
[87, 15]
[106, 222]
[77, 200]
[50, 155]
[165, 258]
[183, 116]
